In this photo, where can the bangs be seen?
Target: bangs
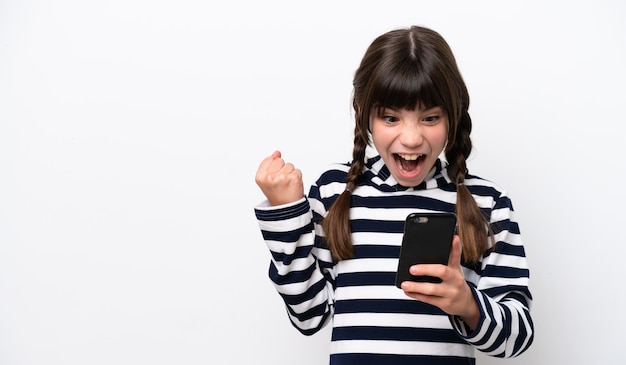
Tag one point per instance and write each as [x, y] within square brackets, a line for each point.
[407, 86]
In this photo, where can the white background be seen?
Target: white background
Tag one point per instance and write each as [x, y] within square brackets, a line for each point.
[131, 130]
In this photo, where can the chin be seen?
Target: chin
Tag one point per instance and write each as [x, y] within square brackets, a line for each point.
[409, 183]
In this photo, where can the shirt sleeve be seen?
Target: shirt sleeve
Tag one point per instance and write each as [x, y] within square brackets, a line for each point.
[301, 265]
[501, 289]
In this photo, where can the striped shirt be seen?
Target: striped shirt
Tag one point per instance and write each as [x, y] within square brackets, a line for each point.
[374, 322]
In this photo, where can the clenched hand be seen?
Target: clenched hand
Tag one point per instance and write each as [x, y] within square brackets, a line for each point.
[281, 182]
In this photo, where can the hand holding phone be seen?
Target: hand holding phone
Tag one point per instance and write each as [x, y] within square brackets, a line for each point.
[427, 239]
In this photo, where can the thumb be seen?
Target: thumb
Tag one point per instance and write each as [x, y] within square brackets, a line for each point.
[454, 261]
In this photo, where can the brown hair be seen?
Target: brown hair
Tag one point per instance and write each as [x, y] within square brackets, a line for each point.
[409, 68]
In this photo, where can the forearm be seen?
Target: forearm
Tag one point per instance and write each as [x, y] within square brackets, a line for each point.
[289, 234]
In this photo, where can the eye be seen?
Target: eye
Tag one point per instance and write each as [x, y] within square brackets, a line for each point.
[388, 115]
[432, 119]
[389, 118]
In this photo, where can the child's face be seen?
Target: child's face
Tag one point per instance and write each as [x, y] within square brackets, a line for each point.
[409, 141]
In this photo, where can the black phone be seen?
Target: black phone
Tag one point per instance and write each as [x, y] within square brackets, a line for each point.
[427, 239]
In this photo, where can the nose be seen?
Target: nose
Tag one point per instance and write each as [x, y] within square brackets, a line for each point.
[411, 135]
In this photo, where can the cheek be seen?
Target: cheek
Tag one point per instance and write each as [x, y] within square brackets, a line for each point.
[379, 138]
[443, 136]
[377, 144]
[439, 138]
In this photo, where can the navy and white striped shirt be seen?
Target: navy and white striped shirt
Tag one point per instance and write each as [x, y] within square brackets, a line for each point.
[373, 321]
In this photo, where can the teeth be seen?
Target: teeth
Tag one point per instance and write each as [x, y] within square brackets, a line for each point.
[409, 157]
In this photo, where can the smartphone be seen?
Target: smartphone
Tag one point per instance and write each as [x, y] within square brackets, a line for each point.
[427, 239]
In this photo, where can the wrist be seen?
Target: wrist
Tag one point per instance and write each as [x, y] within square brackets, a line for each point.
[471, 312]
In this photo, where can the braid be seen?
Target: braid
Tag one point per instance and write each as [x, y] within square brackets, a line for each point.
[336, 224]
[460, 148]
[473, 225]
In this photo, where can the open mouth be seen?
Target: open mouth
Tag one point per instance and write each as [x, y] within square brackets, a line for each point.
[409, 163]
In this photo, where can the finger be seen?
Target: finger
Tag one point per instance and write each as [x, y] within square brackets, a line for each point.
[436, 270]
[268, 160]
[298, 174]
[268, 167]
[412, 287]
[276, 166]
[454, 261]
[290, 176]
[287, 168]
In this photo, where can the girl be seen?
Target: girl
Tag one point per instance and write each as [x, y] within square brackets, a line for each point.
[335, 252]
